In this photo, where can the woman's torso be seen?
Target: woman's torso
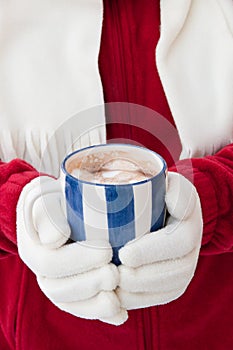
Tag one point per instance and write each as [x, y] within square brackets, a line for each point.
[201, 318]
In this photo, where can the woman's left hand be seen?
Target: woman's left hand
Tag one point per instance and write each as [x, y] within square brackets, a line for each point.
[158, 267]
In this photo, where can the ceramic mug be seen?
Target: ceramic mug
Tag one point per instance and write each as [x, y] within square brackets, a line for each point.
[117, 212]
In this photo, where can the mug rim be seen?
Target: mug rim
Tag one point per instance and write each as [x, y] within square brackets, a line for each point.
[163, 170]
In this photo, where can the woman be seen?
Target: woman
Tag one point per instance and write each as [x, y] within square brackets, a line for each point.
[46, 52]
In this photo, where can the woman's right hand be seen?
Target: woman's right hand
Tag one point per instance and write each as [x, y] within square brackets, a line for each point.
[77, 277]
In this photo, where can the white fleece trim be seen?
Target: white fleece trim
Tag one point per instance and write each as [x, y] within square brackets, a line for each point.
[194, 58]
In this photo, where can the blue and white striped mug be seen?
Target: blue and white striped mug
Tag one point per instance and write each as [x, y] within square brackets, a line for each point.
[117, 212]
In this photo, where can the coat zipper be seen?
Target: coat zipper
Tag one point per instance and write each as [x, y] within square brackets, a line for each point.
[121, 70]
[120, 61]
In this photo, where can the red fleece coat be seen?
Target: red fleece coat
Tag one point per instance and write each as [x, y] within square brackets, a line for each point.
[202, 317]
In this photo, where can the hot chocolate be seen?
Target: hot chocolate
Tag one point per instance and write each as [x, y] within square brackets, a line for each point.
[114, 167]
[114, 192]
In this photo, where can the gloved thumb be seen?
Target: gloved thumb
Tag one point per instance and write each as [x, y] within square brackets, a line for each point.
[50, 221]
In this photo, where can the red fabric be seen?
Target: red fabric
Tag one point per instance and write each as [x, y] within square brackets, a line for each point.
[213, 178]
[13, 177]
[128, 72]
[199, 319]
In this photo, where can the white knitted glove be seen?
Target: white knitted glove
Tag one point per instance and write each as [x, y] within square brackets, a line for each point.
[158, 267]
[78, 278]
